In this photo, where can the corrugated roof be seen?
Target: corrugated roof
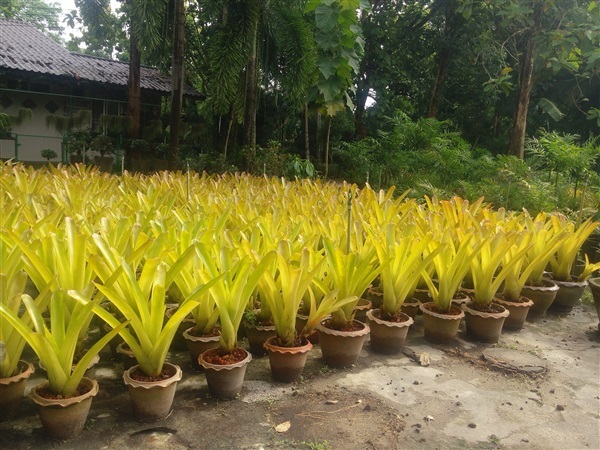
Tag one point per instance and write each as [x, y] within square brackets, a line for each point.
[24, 47]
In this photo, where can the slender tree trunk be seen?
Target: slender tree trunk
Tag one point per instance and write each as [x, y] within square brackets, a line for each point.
[176, 82]
[134, 87]
[436, 92]
[517, 139]
[306, 136]
[327, 147]
[317, 140]
[362, 93]
[249, 132]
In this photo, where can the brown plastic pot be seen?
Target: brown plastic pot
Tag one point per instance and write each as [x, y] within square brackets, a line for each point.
[225, 381]
[485, 326]
[541, 296]
[126, 356]
[411, 307]
[257, 336]
[360, 311]
[65, 418]
[440, 328]
[287, 363]
[152, 400]
[517, 312]
[375, 296]
[199, 344]
[567, 297]
[388, 337]
[12, 390]
[341, 348]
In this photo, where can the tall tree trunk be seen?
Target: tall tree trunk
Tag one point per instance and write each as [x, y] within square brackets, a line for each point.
[362, 93]
[517, 139]
[306, 137]
[436, 92]
[134, 81]
[249, 132]
[176, 82]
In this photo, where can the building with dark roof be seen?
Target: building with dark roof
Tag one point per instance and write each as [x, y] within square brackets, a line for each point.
[39, 74]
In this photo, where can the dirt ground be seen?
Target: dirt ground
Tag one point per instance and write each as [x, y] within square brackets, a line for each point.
[536, 389]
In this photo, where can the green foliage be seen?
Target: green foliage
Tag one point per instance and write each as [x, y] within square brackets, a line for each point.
[48, 154]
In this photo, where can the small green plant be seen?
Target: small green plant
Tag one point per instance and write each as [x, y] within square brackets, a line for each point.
[48, 154]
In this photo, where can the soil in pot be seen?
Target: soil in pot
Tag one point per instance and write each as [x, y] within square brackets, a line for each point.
[440, 327]
[341, 348]
[287, 363]
[541, 296]
[64, 418]
[484, 323]
[152, 397]
[12, 390]
[388, 333]
[568, 295]
[198, 343]
[225, 373]
[517, 312]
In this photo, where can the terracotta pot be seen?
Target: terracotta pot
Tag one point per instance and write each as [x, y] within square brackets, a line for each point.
[301, 320]
[485, 326]
[411, 307]
[257, 336]
[440, 328]
[65, 418]
[568, 295]
[360, 311]
[594, 284]
[463, 296]
[341, 348]
[152, 400]
[541, 296]
[225, 381]
[287, 363]
[517, 312]
[12, 389]
[126, 356]
[179, 343]
[388, 337]
[199, 344]
[375, 296]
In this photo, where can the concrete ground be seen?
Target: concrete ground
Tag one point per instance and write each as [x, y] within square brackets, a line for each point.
[536, 389]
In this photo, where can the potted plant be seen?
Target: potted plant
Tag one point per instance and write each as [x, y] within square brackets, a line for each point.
[13, 371]
[539, 290]
[570, 287]
[48, 154]
[402, 262]
[483, 317]
[104, 145]
[142, 301]
[64, 400]
[341, 337]
[283, 293]
[236, 278]
[441, 318]
[205, 333]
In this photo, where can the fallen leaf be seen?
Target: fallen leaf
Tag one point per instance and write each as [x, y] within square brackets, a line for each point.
[428, 419]
[424, 359]
[283, 427]
[331, 402]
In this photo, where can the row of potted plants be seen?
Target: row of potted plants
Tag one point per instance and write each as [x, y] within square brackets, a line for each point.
[121, 249]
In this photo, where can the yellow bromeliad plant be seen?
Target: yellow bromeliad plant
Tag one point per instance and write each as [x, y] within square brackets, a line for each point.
[402, 261]
[566, 254]
[284, 291]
